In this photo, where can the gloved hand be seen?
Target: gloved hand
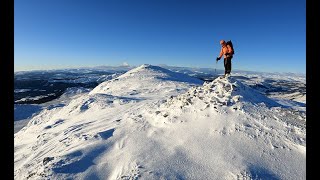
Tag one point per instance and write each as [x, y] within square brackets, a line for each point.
[218, 58]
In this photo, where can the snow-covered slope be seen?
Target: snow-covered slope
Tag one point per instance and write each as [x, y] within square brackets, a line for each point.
[151, 123]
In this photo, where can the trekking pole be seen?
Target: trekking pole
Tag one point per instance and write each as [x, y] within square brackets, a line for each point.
[215, 69]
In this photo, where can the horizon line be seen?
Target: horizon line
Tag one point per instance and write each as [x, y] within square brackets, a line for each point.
[134, 66]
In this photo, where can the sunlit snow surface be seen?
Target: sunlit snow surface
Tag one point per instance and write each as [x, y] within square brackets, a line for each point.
[153, 123]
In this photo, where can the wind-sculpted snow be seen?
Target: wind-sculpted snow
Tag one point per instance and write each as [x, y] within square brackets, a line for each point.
[151, 123]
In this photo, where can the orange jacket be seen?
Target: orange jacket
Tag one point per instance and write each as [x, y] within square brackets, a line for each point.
[226, 49]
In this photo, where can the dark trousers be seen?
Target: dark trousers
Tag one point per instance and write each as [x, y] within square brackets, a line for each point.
[227, 65]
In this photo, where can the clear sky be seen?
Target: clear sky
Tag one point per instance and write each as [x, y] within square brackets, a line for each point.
[268, 35]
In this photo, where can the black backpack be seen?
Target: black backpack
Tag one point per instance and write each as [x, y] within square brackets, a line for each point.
[231, 45]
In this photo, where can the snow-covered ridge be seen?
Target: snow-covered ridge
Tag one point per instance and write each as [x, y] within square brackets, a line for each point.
[152, 123]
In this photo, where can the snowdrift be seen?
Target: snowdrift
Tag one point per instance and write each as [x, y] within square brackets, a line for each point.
[152, 123]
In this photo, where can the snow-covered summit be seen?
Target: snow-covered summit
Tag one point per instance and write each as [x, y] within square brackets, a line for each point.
[152, 123]
[146, 79]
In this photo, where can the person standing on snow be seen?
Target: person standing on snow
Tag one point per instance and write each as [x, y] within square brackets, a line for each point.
[227, 52]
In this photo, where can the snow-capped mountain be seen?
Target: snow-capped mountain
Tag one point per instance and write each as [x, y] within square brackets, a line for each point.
[153, 123]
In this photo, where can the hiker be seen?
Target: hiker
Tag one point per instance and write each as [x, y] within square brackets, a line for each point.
[226, 51]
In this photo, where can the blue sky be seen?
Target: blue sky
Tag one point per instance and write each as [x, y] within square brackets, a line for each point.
[268, 35]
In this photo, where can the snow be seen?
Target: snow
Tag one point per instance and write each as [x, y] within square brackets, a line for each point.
[23, 113]
[21, 90]
[296, 96]
[152, 123]
[85, 79]
[28, 98]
